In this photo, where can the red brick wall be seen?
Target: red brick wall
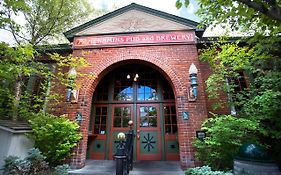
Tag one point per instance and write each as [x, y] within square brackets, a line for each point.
[173, 61]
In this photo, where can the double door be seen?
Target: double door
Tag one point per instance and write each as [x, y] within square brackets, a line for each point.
[147, 129]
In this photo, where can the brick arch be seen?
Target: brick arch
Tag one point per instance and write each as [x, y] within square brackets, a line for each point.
[89, 85]
[172, 61]
[165, 70]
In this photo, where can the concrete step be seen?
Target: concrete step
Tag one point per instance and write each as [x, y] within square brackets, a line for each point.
[107, 167]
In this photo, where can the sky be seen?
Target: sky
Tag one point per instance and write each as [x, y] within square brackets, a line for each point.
[167, 6]
[162, 5]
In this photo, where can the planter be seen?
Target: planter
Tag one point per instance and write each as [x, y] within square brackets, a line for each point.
[253, 160]
[13, 140]
[242, 167]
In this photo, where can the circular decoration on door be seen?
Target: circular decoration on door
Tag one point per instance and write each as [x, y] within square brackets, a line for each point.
[149, 142]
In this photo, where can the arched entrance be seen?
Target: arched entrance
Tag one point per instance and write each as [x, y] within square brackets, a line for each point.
[140, 93]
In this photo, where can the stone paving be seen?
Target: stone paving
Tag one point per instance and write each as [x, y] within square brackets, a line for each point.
[107, 167]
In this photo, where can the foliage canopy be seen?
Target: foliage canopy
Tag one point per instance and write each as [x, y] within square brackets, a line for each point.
[39, 21]
[258, 56]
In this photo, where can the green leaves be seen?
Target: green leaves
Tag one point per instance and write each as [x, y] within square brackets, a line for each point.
[239, 16]
[54, 136]
[45, 20]
[179, 3]
[205, 170]
[259, 115]
[24, 80]
[259, 57]
[225, 134]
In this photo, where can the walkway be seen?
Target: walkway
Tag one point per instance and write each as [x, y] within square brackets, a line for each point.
[107, 167]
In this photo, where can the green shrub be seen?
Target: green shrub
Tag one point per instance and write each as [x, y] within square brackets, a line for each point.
[54, 136]
[225, 135]
[11, 165]
[61, 170]
[205, 170]
[33, 164]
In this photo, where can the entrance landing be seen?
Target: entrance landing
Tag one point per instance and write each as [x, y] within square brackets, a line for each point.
[107, 167]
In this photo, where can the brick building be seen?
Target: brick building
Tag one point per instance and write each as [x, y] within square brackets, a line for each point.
[142, 59]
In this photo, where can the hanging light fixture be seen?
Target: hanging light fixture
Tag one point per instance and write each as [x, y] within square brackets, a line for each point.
[135, 77]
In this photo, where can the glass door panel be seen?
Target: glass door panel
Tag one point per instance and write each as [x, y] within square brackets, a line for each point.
[121, 115]
[148, 132]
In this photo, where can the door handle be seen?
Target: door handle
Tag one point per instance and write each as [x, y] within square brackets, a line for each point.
[138, 134]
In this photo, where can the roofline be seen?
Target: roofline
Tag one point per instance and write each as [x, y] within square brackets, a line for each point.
[66, 47]
[15, 131]
[71, 33]
[212, 39]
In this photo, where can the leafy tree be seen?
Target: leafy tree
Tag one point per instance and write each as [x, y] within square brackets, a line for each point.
[258, 15]
[17, 66]
[44, 19]
[259, 56]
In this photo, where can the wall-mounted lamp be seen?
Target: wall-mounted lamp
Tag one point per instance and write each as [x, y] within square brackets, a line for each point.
[71, 77]
[201, 135]
[193, 79]
[79, 118]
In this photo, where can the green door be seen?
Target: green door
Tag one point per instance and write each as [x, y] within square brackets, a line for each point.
[148, 132]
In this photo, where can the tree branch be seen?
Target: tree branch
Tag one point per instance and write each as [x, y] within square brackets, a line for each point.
[52, 26]
[15, 35]
[11, 26]
[273, 12]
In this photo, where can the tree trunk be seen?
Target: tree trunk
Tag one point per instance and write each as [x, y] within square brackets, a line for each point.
[17, 99]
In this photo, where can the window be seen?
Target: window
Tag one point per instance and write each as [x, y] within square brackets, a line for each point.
[123, 88]
[240, 82]
[133, 83]
[122, 115]
[147, 87]
[102, 89]
[36, 88]
[148, 116]
[100, 120]
[170, 119]
[167, 91]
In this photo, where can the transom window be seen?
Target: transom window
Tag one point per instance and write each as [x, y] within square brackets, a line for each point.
[134, 83]
[147, 87]
[123, 88]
